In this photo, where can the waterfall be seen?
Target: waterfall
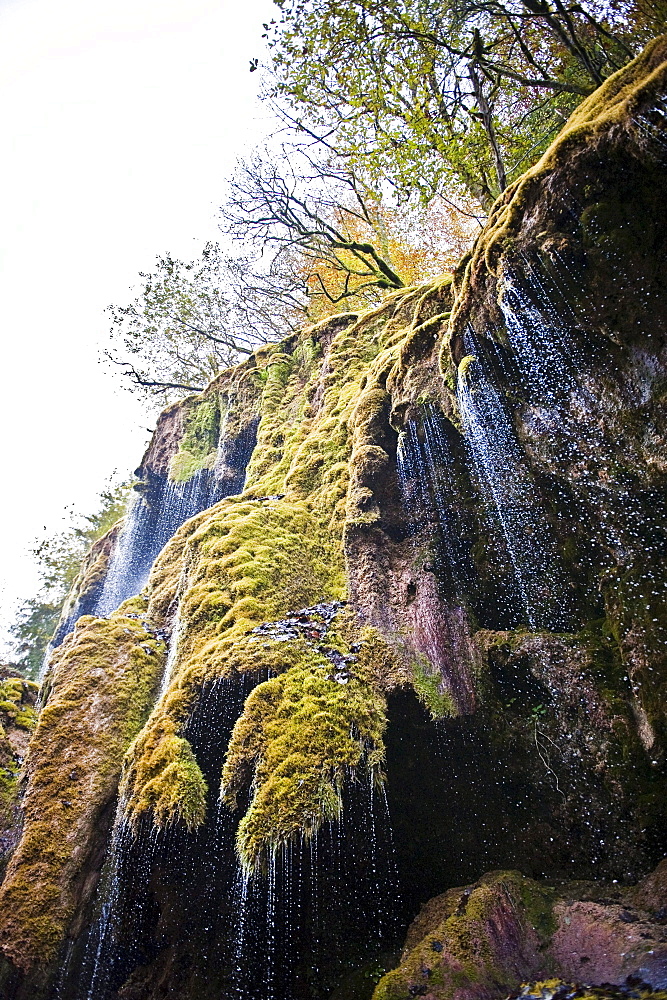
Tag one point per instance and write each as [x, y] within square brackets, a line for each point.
[149, 525]
[147, 869]
[652, 124]
[427, 474]
[510, 499]
[154, 515]
[245, 936]
[172, 654]
[317, 897]
[430, 489]
[555, 374]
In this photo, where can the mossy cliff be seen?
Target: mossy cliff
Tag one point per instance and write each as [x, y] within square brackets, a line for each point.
[102, 682]
[276, 549]
[18, 718]
[375, 611]
[579, 245]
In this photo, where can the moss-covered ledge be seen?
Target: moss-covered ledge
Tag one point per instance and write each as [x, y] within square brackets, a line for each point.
[102, 682]
[613, 107]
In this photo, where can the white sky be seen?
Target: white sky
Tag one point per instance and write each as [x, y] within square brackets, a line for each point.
[119, 121]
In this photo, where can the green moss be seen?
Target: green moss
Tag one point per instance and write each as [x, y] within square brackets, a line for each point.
[275, 549]
[26, 719]
[456, 936]
[538, 903]
[198, 447]
[392, 987]
[428, 685]
[301, 736]
[9, 771]
[173, 787]
[101, 684]
[546, 988]
[17, 712]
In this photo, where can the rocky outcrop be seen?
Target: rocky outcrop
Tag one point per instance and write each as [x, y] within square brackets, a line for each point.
[487, 939]
[103, 680]
[563, 302]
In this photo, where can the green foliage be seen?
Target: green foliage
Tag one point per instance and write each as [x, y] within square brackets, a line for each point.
[428, 685]
[180, 330]
[437, 97]
[58, 559]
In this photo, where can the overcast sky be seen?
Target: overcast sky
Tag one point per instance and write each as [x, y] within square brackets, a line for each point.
[119, 121]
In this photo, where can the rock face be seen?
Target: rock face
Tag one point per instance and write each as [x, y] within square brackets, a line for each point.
[419, 635]
[103, 679]
[18, 718]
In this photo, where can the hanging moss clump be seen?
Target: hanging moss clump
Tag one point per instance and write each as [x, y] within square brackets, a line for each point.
[301, 737]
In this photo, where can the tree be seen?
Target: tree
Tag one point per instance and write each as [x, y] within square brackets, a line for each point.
[322, 216]
[182, 328]
[58, 559]
[334, 235]
[315, 241]
[419, 242]
[439, 97]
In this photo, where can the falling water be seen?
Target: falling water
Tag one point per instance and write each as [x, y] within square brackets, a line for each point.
[509, 495]
[541, 330]
[258, 936]
[427, 475]
[430, 480]
[148, 527]
[172, 654]
[652, 124]
[315, 900]
[153, 518]
[146, 866]
[177, 629]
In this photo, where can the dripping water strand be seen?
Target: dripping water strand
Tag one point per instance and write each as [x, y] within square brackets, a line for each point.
[509, 494]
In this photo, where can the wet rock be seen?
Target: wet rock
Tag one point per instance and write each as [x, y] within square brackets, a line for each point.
[506, 930]
[595, 943]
